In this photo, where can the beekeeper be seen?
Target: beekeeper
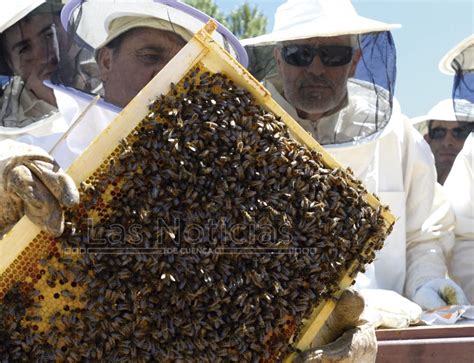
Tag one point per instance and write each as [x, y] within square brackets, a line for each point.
[29, 55]
[35, 48]
[334, 72]
[31, 179]
[459, 184]
[133, 43]
[444, 133]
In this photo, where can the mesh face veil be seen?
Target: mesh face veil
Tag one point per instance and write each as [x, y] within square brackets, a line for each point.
[463, 85]
[370, 90]
[85, 19]
[133, 38]
[31, 51]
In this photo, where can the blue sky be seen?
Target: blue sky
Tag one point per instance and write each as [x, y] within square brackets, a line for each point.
[429, 29]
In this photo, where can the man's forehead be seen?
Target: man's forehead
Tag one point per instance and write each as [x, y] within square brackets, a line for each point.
[337, 40]
[29, 27]
[153, 36]
[449, 124]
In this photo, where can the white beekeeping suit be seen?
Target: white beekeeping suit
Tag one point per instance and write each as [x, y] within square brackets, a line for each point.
[459, 184]
[370, 135]
[459, 187]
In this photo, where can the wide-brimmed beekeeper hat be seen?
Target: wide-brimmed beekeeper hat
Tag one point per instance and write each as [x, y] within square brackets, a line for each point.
[301, 19]
[442, 111]
[459, 58]
[94, 22]
[120, 23]
[13, 11]
[459, 61]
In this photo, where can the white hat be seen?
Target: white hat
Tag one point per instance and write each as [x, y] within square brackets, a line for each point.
[301, 19]
[442, 111]
[93, 17]
[14, 11]
[463, 53]
[117, 24]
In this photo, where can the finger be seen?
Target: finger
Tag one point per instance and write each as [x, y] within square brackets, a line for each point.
[355, 345]
[40, 205]
[349, 307]
[61, 185]
[431, 300]
[453, 295]
[345, 315]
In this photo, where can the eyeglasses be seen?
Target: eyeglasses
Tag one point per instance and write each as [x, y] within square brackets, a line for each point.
[460, 133]
[330, 55]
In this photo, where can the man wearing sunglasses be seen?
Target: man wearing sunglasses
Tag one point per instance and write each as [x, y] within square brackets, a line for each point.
[446, 139]
[334, 72]
[445, 134]
[323, 89]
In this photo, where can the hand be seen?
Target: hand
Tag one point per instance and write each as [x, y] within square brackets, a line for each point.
[32, 183]
[358, 344]
[385, 308]
[439, 292]
[344, 337]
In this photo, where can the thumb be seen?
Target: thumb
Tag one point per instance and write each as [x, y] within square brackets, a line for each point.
[61, 185]
[39, 205]
[453, 295]
[346, 315]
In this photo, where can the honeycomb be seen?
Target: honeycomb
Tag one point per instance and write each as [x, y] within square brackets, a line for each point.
[208, 234]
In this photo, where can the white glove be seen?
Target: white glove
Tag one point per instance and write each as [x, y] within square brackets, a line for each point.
[344, 337]
[439, 292]
[32, 183]
[355, 345]
[387, 309]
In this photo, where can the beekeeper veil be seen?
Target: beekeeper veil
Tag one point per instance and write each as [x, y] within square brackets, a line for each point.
[459, 62]
[95, 24]
[30, 40]
[374, 81]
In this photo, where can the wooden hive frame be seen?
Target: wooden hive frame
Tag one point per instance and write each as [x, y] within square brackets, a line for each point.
[204, 50]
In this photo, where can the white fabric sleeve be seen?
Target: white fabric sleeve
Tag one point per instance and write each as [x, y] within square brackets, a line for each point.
[459, 187]
[429, 217]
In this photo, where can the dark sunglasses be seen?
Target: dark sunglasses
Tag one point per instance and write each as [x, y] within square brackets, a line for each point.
[330, 55]
[460, 133]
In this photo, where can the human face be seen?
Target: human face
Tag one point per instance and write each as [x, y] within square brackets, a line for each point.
[32, 52]
[445, 149]
[142, 53]
[316, 89]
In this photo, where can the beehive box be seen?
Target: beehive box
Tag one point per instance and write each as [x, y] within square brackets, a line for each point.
[139, 273]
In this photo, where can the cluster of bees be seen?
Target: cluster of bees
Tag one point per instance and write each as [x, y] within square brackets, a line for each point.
[208, 235]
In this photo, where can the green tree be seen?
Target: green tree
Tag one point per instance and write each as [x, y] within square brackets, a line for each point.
[208, 7]
[244, 21]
